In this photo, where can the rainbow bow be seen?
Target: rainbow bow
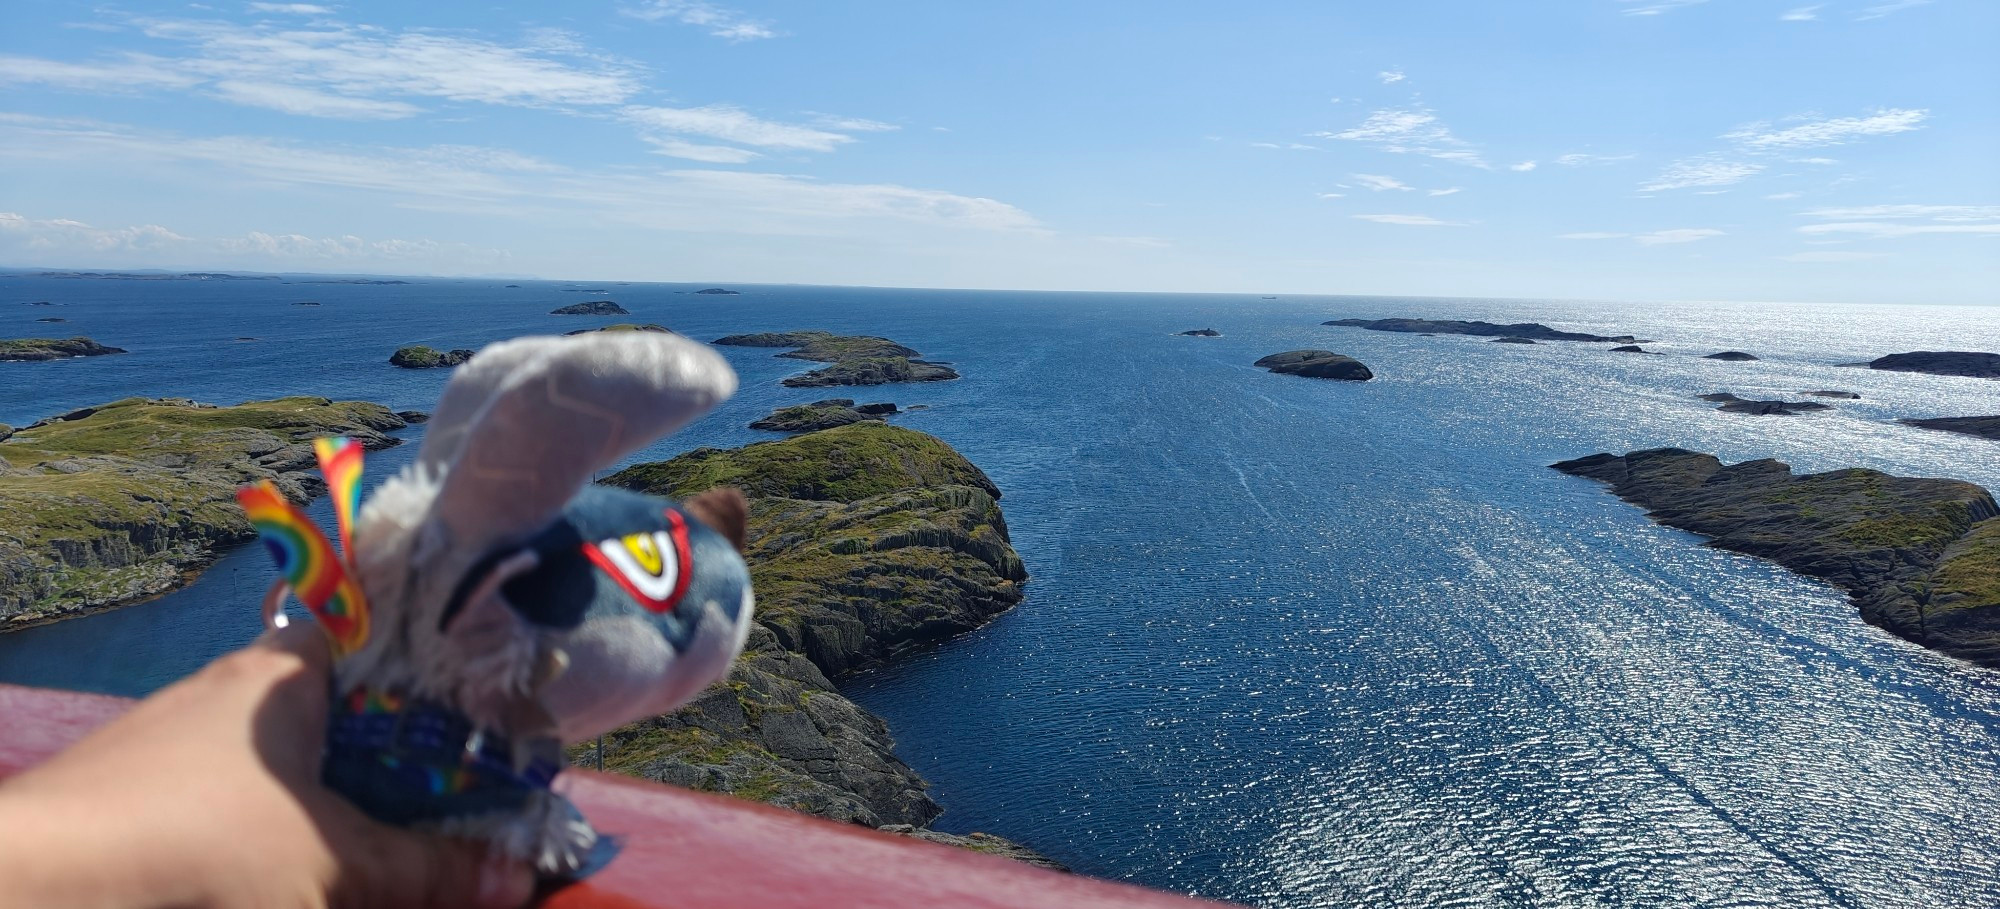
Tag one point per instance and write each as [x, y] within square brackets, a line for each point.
[319, 577]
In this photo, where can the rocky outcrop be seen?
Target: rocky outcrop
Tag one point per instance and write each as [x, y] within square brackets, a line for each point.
[592, 308]
[1919, 557]
[414, 417]
[1631, 348]
[1733, 404]
[717, 291]
[52, 319]
[1942, 363]
[856, 359]
[53, 349]
[1983, 427]
[1317, 364]
[418, 356]
[865, 542]
[819, 415]
[625, 326]
[113, 504]
[1732, 356]
[1511, 340]
[1531, 330]
[1202, 333]
[1841, 395]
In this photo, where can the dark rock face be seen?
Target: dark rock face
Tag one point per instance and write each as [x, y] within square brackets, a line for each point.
[1733, 356]
[1513, 340]
[28, 349]
[873, 371]
[1942, 363]
[865, 542]
[1202, 333]
[414, 417]
[108, 505]
[592, 308]
[818, 415]
[716, 291]
[1530, 330]
[1919, 557]
[1983, 427]
[1317, 364]
[979, 842]
[1733, 404]
[418, 356]
[1842, 395]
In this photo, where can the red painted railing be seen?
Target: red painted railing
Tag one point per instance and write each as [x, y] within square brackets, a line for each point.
[692, 849]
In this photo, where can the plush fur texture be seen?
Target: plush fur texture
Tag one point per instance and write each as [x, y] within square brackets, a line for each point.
[519, 430]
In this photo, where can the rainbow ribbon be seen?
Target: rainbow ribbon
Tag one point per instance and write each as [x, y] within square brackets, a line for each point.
[317, 576]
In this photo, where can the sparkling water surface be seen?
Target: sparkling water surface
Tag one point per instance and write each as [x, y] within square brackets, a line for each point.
[1290, 642]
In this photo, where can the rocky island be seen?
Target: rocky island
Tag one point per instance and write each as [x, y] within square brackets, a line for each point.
[1316, 364]
[1513, 340]
[865, 542]
[717, 291]
[1530, 330]
[819, 415]
[20, 349]
[1983, 427]
[1919, 557]
[624, 326]
[1733, 404]
[1632, 348]
[110, 505]
[1201, 333]
[1732, 356]
[856, 359]
[417, 356]
[1942, 363]
[592, 308]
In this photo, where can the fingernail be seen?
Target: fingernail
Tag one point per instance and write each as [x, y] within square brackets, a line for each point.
[504, 885]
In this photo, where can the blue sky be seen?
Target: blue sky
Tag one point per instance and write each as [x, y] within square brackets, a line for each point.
[1613, 149]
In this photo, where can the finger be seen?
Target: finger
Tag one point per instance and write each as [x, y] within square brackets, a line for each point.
[411, 869]
[305, 640]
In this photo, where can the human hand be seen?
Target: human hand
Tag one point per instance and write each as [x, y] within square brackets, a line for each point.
[208, 794]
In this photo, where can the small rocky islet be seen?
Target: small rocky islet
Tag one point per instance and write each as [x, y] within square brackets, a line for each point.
[112, 504]
[625, 326]
[417, 356]
[1972, 364]
[1732, 404]
[1201, 333]
[1732, 356]
[591, 308]
[1316, 364]
[1532, 331]
[856, 359]
[1983, 427]
[865, 542]
[41, 349]
[825, 414]
[1919, 557]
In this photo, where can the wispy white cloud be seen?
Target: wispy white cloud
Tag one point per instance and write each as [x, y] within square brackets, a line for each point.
[1593, 235]
[730, 124]
[1331, 195]
[1888, 221]
[128, 74]
[310, 102]
[1446, 192]
[1410, 132]
[57, 235]
[1821, 131]
[1523, 167]
[693, 151]
[1579, 159]
[1888, 9]
[1410, 220]
[1706, 170]
[291, 9]
[1677, 235]
[1285, 146]
[1831, 255]
[1800, 14]
[720, 22]
[1390, 77]
[1380, 183]
[1656, 7]
[851, 124]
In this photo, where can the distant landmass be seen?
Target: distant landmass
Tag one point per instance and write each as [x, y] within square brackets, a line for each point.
[1526, 330]
[592, 308]
[20, 349]
[160, 276]
[716, 290]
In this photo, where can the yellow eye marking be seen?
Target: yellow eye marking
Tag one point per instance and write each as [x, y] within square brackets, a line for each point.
[645, 551]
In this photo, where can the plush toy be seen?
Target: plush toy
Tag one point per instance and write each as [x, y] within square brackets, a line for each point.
[490, 605]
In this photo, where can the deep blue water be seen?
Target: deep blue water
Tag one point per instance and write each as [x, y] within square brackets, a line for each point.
[1291, 642]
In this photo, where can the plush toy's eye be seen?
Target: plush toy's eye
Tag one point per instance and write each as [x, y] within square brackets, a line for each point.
[654, 567]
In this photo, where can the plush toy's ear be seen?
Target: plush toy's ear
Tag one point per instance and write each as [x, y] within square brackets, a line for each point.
[565, 408]
[471, 388]
[724, 510]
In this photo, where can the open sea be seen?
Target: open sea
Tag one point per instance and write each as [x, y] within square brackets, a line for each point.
[1291, 642]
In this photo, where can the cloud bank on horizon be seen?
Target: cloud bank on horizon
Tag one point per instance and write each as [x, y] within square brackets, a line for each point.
[1840, 151]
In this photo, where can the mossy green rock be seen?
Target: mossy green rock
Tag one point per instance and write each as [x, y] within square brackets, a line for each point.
[828, 414]
[105, 506]
[53, 348]
[1920, 557]
[873, 371]
[417, 356]
[865, 542]
[823, 346]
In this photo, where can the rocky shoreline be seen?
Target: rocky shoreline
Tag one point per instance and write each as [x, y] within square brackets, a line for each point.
[1918, 557]
[112, 505]
[866, 542]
